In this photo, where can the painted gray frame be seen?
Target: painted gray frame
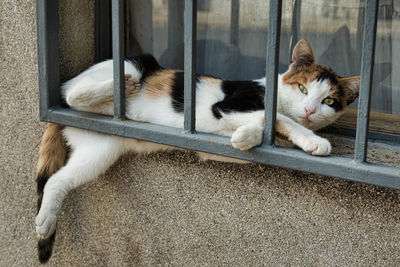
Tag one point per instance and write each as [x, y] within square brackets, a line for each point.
[51, 111]
[271, 88]
[190, 66]
[367, 70]
[117, 18]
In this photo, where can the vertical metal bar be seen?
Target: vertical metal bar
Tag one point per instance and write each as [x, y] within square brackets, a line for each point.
[367, 69]
[117, 12]
[190, 66]
[359, 35]
[271, 88]
[48, 55]
[294, 31]
[234, 33]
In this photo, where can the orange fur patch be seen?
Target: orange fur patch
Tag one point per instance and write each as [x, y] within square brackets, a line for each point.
[211, 81]
[281, 130]
[302, 76]
[160, 83]
[52, 150]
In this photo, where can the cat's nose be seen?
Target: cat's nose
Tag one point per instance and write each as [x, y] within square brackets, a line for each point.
[309, 111]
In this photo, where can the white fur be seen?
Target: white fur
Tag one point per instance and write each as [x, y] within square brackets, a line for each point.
[293, 103]
[93, 153]
[305, 138]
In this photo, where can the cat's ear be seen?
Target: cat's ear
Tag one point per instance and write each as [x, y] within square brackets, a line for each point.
[302, 55]
[352, 86]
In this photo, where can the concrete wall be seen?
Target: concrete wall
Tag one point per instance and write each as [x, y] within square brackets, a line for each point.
[171, 208]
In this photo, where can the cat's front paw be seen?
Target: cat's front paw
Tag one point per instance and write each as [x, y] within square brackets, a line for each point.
[45, 223]
[315, 145]
[247, 136]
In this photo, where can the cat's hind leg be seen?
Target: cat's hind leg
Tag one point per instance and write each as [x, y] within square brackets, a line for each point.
[94, 154]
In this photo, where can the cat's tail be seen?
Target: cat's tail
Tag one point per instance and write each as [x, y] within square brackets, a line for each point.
[52, 156]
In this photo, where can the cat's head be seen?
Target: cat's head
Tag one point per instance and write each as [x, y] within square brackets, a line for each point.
[312, 94]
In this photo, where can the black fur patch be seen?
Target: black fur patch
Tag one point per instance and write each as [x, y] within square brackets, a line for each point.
[336, 106]
[146, 63]
[45, 248]
[177, 91]
[41, 181]
[328, 75]
[39, 203]
[215, 111]
[240, 96]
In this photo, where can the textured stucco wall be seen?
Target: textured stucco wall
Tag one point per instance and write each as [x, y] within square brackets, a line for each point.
[171, 208]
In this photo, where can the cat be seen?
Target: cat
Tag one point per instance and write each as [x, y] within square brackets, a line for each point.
[310, 97]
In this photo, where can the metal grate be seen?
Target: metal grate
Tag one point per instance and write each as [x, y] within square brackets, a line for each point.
[51, 111]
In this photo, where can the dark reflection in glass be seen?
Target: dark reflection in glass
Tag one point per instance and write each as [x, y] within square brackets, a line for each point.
[232, 38]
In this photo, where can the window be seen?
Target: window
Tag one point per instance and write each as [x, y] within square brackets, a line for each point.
[357, 169]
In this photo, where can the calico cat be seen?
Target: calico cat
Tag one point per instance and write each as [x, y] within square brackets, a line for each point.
[310, 97]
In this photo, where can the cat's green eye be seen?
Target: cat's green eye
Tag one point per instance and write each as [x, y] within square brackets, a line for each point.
[303, 89]
[329, 101]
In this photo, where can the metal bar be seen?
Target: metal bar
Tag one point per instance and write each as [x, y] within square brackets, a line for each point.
[102, 30]
[367, 69]
[117, 10]
[190, 66]
[234, 31]
[359, 35]
[341, 167]
[294, 31]
[271, 88]
[48, 55]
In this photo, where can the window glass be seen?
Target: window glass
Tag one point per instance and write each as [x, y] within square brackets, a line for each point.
[232, 37]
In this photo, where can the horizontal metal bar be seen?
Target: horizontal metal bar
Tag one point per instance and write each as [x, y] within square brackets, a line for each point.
[370, 173]
[272, 64]
[367, 70]
[117, 10]
[190, 66]
[48, 54]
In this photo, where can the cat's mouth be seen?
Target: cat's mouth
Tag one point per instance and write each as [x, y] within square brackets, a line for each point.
[306, 121]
